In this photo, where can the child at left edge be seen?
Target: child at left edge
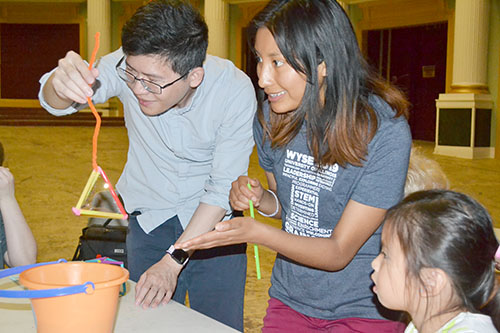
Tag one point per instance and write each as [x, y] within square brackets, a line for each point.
[17, 244]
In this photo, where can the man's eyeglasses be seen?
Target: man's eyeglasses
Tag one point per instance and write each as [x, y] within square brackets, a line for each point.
[148, 85]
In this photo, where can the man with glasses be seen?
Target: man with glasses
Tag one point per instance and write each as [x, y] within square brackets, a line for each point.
[189, 121]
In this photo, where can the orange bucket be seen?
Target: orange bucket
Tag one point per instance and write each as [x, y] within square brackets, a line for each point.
[91, 311]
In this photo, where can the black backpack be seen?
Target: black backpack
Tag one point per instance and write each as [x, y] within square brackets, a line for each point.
[102, 240]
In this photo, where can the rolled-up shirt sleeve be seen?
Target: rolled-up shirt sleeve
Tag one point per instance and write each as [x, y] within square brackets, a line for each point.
[233, 146]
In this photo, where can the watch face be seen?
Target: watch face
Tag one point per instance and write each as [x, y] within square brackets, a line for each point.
[180, 256]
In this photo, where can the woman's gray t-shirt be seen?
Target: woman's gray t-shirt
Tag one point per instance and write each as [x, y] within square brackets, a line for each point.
[313, 202]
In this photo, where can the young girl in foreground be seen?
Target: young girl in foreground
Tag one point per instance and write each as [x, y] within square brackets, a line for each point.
[334, 143]
[437, 264]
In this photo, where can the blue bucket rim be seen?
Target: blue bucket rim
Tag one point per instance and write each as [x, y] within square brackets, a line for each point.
[87, 287]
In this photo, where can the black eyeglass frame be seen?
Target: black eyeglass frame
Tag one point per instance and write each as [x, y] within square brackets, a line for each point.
[142, 81]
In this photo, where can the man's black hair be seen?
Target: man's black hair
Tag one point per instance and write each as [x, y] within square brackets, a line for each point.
[172, 29]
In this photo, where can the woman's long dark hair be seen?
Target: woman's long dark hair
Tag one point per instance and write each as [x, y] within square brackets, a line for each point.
[453, 232]
[309, 32]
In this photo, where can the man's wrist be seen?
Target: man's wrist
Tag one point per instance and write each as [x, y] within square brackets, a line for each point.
[180, 256]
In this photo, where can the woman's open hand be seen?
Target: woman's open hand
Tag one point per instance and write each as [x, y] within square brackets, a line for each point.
[234, 231]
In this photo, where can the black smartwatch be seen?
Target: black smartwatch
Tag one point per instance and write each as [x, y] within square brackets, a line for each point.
[179, 255]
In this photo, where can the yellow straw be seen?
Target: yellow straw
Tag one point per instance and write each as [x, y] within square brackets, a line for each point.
[255, 247]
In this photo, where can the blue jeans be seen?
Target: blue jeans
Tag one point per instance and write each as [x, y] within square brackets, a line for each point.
[214, 278]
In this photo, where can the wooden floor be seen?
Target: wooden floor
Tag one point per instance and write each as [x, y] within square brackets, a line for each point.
[52, 164]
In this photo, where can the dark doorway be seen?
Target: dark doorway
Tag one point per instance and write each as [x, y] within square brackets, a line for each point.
[28, 51]
[413, 58]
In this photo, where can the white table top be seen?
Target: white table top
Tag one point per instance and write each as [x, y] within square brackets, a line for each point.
[16, 315]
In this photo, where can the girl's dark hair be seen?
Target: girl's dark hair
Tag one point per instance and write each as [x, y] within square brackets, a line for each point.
[172, 29]
[453, 232]
[309, 32]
